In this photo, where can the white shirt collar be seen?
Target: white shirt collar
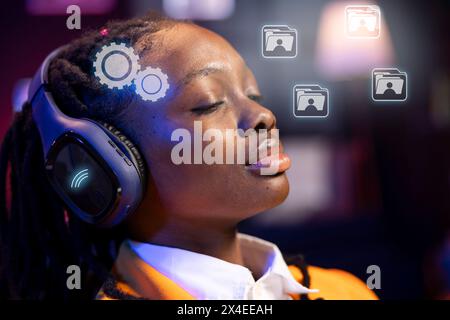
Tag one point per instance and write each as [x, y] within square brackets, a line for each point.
[206, 277]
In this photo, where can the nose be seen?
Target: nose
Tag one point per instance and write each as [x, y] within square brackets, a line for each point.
[255, 116]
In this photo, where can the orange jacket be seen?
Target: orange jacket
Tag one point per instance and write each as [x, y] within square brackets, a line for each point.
[135, 279]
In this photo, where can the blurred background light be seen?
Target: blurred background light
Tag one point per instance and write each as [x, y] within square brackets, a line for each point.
[340, 57]
[20, 94]
[58, 7]
[440, 100]
[199, 9]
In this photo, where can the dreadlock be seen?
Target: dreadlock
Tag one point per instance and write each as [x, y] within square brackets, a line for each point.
[39, 238]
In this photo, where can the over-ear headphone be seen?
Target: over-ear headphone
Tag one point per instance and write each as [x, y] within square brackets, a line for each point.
[96, 170]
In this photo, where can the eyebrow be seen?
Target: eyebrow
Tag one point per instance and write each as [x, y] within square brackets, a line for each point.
[199, 73]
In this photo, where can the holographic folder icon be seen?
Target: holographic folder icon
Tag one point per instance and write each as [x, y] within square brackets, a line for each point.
[279, 42]
[363, 21]
[310, 101]
[389, 84]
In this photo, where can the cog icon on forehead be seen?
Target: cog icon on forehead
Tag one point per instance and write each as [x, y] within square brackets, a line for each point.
[151, 84]
[116, 65]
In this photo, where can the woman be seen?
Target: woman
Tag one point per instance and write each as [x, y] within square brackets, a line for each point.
[181, 242]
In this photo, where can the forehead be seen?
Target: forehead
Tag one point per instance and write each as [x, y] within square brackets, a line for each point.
[185, 48]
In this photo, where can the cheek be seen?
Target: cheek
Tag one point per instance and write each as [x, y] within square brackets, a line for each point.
[217, 191]
[221, 190]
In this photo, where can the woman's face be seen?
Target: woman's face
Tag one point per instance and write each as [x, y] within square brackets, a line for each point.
[209, 82]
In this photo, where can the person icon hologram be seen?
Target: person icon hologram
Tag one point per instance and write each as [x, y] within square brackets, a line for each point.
[362, 29]
[279, 50]
[311, 107]
[389, 92]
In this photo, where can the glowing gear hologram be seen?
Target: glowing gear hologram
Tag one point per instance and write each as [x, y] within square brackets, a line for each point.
[116, 65]
[151, 84]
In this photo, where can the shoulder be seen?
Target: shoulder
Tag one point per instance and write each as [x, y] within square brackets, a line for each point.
[116, 290]
[334, 284]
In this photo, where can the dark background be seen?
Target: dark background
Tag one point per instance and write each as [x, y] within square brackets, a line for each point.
[370, 185]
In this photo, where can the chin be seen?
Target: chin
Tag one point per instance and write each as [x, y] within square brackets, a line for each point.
[271, 191]
[278, 186]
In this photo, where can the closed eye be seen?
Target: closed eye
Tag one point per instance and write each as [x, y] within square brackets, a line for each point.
[209, 108]
[256, 97]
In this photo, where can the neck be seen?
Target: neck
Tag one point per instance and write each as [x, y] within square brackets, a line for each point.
[216, 239]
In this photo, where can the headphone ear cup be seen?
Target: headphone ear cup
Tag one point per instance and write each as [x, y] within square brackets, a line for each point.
[128, 148]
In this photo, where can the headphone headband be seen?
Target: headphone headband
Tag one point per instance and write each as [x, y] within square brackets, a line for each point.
[47, 116]
[41, 76]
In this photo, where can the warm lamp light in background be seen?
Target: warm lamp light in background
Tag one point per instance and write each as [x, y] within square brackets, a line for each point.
[59, 7]
[199, 9]
[340, 57]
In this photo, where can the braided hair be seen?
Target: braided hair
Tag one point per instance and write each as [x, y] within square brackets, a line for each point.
[39, 238]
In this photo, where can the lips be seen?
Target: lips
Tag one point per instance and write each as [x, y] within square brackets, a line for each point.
[270, 164]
